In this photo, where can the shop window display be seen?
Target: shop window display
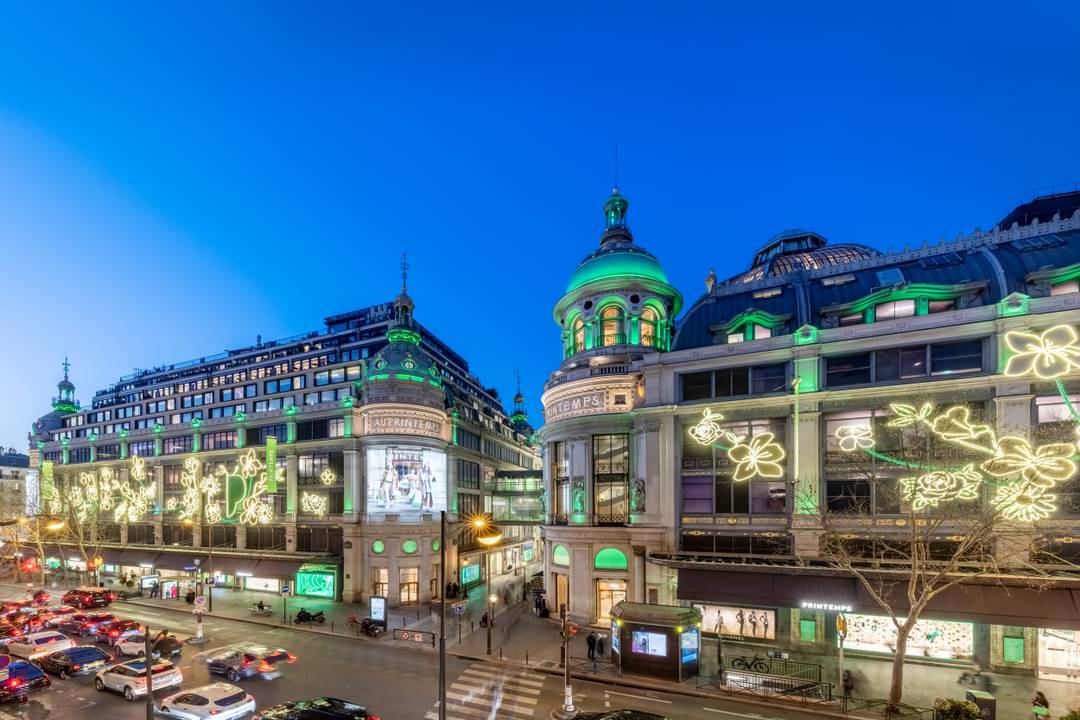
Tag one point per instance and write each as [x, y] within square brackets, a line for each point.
[929, 638]
[738, 622]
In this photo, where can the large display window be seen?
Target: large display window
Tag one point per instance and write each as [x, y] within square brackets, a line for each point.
[1059, 655]
[406, 481]
[929, 638]
[738, 623]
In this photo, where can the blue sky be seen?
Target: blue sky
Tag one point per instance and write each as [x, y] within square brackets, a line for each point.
[176, 180]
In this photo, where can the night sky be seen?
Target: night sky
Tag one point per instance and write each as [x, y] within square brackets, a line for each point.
[174, 182]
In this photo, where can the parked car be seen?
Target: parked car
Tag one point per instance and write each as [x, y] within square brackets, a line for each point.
[78, 660]
[621, 715]
[71, 623]
[8, 632]
[319, 708]
[219, 701]
[36, 645]
[111, 631]
[129, 679]
[23, 678]
[242, 660]
[88, 597]
[12, 606]
[27, 620]
[57, 614]
[135, 645]
[89, 626]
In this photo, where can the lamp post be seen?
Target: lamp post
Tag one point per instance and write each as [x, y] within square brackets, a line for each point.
[52, 524]
[487, 534]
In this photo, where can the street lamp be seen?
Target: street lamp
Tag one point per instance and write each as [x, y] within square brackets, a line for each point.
[208, 585]
[51, 523]
[487, 534]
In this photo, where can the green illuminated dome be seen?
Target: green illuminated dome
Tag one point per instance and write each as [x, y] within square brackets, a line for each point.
[618, 256]
[623, 260]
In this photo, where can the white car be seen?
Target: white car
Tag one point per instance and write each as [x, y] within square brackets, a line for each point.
[220, 701]
[129, 679]
[135, 646]
[39, 644]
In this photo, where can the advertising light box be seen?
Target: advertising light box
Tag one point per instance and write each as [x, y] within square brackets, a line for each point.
[647, 643]
[406, 481]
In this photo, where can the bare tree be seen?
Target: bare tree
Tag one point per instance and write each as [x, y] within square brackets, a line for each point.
[960, 499]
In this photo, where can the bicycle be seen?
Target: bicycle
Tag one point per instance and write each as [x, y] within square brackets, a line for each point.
[353, 623]
[750, 663]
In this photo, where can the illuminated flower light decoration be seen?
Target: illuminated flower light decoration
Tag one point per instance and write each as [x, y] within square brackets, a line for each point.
[245, 490]
[187, 505]
[1047, 355]
[760, 456]
[135, 497]
[328, 477]
[942, 486]
[855, 437]
[314, 503]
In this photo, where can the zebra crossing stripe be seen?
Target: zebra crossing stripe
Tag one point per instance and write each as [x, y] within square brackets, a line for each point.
[524, 679]
[494, 691]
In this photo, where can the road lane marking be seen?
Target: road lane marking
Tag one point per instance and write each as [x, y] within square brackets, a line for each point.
[737, 714]
[640, 697]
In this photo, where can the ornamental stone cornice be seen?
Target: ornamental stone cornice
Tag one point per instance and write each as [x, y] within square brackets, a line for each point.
[593, 534]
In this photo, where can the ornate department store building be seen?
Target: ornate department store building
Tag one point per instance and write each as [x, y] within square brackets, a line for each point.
[705, 461]
[319, 462]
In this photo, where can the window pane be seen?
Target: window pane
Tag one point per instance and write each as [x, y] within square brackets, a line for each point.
[732, 382]
[961, 357]
[848, 369]
[887, 365]
[769, 379]
[696, 386]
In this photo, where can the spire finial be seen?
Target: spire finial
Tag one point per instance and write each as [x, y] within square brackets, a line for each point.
[404, 271]
[67, 366]
[615, 176]
[517, 375]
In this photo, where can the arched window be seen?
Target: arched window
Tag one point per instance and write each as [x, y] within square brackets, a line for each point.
[579, 334]
[560, 556]
[610, 559]
[648, 327]
[611, 326]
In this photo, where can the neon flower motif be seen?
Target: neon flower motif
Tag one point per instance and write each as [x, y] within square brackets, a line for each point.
[1042, 466]
[855, 437]
[327, 477]
[761, 456]
[1048, 355]
[907, 415]
[314, 504]
[1024, 501]
[941, 486]
[708, 430]
[955, 425]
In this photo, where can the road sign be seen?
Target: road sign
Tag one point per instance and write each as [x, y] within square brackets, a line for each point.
[285, 589]
[841, 625]
[459, 606]
[422, 636]
[197, 561]
[200, 601]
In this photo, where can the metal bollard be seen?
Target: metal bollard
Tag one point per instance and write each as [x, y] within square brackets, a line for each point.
[331, 627]
[526, 657]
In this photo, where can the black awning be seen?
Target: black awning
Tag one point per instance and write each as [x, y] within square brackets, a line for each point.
[180, 560]
[226, 565]
[277, 568]
[138, 557]
[1057, 608]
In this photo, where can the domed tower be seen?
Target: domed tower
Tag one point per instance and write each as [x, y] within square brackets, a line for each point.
[402, 371]
[520, 418]
[619, 296]
[65, 401]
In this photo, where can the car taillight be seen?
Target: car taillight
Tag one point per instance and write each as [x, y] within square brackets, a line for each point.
[214, 711]
[76, 666]
[140, 681]
[111, 597]
[115, 633]
[16, 632]
[292, 658]
[265, 666]
[13, 683]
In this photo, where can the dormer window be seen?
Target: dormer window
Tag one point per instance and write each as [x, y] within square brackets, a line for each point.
[1065, 288]
[579, 335]
[895, 309]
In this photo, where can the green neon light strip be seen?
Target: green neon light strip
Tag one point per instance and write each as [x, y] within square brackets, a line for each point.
[1068, 402]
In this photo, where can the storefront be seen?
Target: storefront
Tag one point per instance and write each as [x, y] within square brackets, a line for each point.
[261, 584]
[318, 580]
[942, 639]
[1059, 654]
[270, 574]
[609, 593]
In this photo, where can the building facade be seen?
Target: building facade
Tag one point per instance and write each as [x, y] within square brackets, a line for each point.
[319, 462]
[779, 412]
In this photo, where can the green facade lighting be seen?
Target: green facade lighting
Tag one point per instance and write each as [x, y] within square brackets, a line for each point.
[405, 335]
[806, 335]
[806, 371]
[271, 464]
[610, 559]
[560, 556]
[470, 574]
[409, 547]
[1013, 305]
[315, 580]
[378, 547]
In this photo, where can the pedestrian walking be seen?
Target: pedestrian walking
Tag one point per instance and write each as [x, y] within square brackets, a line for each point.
[848, 683]
[590, 640]
[1040, 706]
[600, 644]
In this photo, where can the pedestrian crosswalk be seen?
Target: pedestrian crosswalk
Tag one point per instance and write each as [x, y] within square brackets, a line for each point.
[490, 692]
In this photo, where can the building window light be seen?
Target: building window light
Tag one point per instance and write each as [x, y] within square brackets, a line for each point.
[761, 331]
[735, 337]
[771, 292]
[894, 309]
[1065, 288]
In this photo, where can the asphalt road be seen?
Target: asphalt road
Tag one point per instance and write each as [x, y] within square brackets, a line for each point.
[395, 682]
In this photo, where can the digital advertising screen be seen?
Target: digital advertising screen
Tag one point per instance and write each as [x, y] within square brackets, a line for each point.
[406, 481]
[614, 636]
[647, 643]
[738, 622]
[688, 646]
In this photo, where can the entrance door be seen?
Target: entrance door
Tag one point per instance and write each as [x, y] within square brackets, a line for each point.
[408, 585]
[562, 591]
[609, 593]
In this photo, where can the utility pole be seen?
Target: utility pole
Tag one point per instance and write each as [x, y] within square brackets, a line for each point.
[568, 710]
[148, 658]
[442, 615]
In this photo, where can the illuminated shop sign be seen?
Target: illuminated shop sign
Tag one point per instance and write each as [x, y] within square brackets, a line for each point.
[401, 422]
[591, 401]
[827, 607]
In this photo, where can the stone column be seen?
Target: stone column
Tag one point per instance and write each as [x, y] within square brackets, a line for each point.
[638, 580]
[582, 585]
[805, 488]
[353, 486]
[158, 478]
[1012, 416]
[291, 475]
[241, 536]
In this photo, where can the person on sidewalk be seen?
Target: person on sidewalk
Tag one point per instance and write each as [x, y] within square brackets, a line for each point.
[590, 640]
[1040, 706]
[848, 683]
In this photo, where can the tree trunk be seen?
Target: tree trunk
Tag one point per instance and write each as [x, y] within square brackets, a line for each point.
[896, 689]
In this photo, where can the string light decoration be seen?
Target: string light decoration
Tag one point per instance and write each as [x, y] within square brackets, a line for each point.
[314, 504]
[328, 477]
[245, 490]
[760, 456]
[1047, 355]
[1026, 473]
[135, 498]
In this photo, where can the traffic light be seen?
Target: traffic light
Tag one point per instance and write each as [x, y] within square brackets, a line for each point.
[571, 631]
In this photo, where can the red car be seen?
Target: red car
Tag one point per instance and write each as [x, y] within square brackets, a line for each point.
[56, 615]
[13, 606]
[111, 631]
[89, 625]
